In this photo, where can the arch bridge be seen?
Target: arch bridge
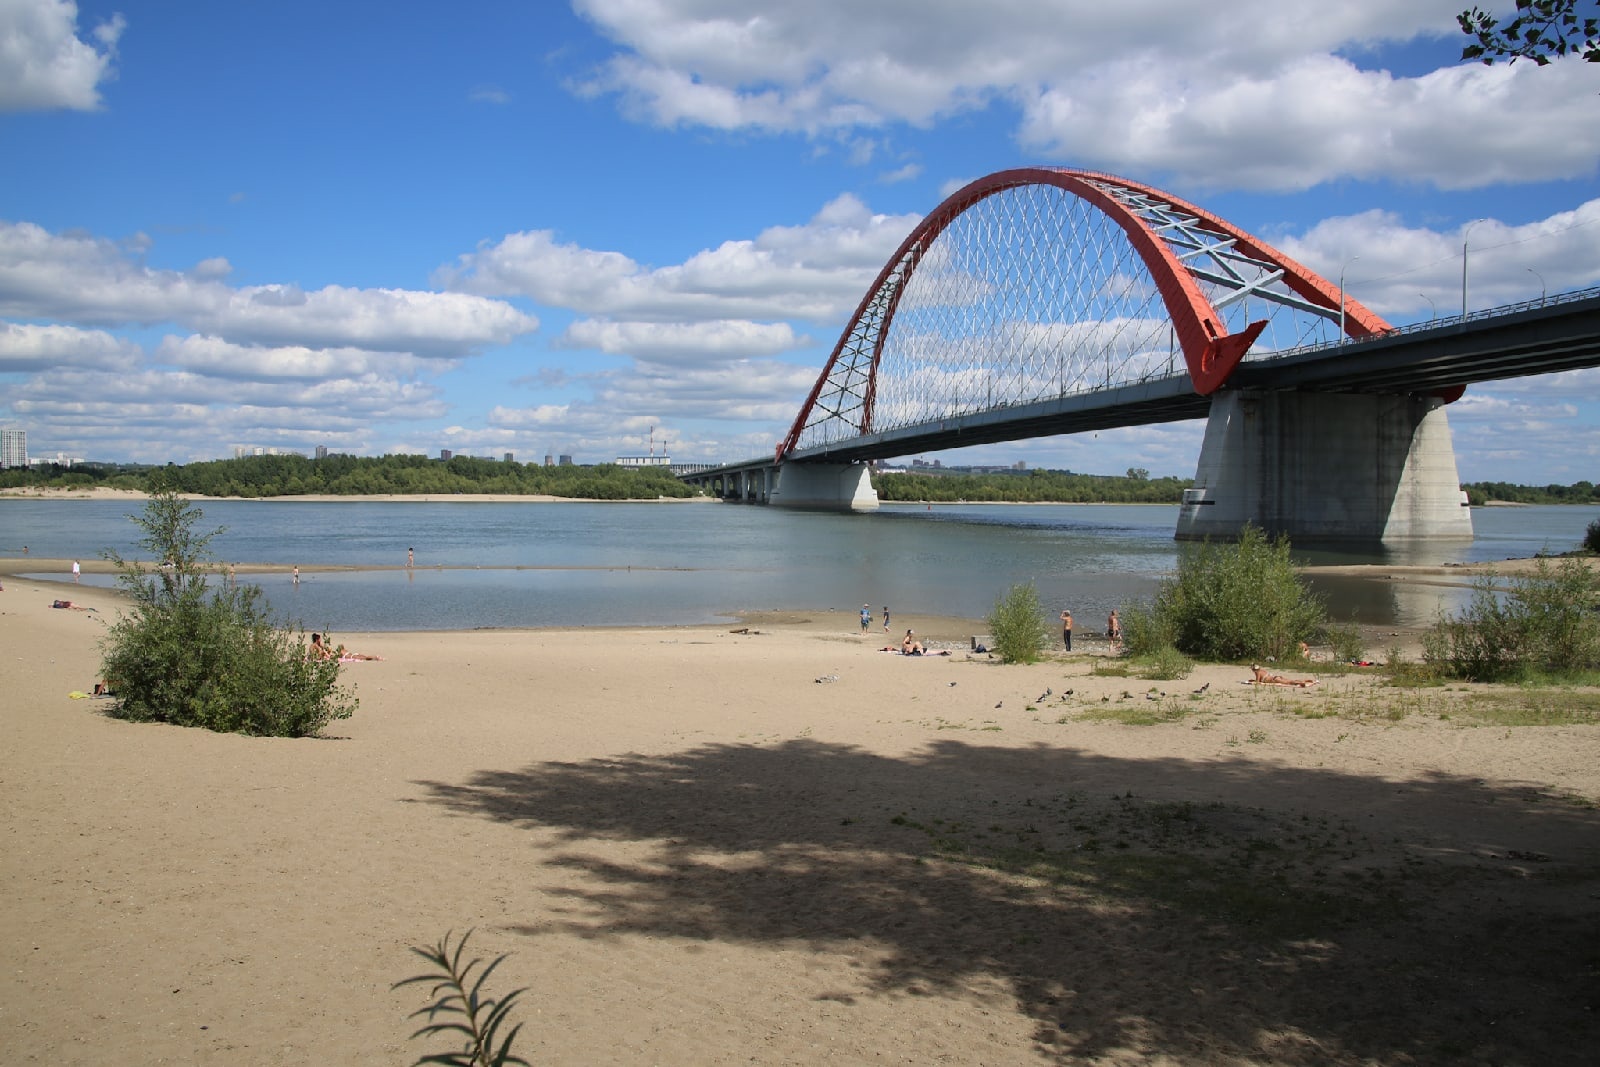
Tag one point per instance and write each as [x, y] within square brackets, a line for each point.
[1044, 300]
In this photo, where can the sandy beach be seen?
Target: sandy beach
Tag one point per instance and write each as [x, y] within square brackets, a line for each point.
[783, 846]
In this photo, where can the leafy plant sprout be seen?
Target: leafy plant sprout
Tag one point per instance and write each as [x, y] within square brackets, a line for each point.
[460, 1001]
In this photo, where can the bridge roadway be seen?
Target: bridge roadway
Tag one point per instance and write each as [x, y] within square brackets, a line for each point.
[1543, 337]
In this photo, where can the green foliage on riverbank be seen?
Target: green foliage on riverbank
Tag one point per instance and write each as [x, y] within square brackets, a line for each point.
[1035, 486]
[265, 476]
[77, 476]
[1530, 627]
[1016, 626]
[1480, 493]
[1229, 602]
[199, 653]
[340, 475]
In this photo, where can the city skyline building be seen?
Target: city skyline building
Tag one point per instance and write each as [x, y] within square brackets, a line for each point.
[13, 448]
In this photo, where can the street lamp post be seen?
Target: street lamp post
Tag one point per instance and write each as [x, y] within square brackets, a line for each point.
[1347, 262]
[1542, 289]
[1433, 312]
[1464, 235]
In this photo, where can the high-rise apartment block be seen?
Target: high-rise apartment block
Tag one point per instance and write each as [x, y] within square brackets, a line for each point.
[13, 448]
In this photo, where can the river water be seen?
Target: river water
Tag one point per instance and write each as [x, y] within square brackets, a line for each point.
[527, 564]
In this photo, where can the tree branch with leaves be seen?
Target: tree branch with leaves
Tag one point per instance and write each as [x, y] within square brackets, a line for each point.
[1541, 31]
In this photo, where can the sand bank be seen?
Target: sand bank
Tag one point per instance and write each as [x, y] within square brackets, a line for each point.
[783, 846]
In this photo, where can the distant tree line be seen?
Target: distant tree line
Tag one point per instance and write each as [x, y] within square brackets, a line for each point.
[1480, 493]
[1033, 487]
[1137, 487]
[77, 476]
[341, 475]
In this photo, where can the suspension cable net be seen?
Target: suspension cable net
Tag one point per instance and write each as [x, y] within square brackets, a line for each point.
[1033, 292]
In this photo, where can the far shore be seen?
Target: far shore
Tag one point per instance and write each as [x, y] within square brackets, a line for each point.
[101, 492]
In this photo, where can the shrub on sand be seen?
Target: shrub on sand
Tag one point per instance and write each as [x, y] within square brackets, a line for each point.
[1346, 642]
[1543, 625]
[1229, 602]
[193, 655]
[1017, 625]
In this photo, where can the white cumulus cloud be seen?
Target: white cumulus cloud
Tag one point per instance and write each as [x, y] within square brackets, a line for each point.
[816, 271]
[1263, 94]
[26, 347]
[45, 65]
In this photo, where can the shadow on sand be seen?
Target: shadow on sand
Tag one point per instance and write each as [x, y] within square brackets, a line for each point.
[1208, 912]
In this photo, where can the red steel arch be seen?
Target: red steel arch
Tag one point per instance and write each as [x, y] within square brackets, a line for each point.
[1209, 351]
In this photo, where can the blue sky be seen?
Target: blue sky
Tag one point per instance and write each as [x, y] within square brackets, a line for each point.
[555, 228]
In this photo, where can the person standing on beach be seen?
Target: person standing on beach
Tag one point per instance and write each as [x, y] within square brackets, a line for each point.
[297, 574]
[410, 558]
[886, 618]
[75, 570]
[1066, 629]
[866, 618]
[1113, 627]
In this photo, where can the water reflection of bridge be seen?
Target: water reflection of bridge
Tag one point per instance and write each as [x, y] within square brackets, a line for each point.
[1043, 301]
[1405, 600]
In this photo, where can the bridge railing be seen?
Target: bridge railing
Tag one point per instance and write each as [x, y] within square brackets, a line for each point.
[1438, 322]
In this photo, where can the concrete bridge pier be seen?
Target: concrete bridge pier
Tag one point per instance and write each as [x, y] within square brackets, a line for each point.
[750, 486]
[1326, 467]
[827, 486]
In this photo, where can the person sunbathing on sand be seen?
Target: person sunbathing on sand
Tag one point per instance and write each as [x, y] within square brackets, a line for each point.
[70, 604]
[1263, 678]
[910, 646]
[320, 649]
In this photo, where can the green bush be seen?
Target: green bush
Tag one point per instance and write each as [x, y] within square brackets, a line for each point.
[192, 655]
[1165, 664]
[1017, 625]
[1144, 633]
[1591, 538]
[1346, 643]
[1544, 624]
[1229, 602]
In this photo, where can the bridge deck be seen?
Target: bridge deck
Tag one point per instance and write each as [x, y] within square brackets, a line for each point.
[1523, 340]
[1562, 333]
